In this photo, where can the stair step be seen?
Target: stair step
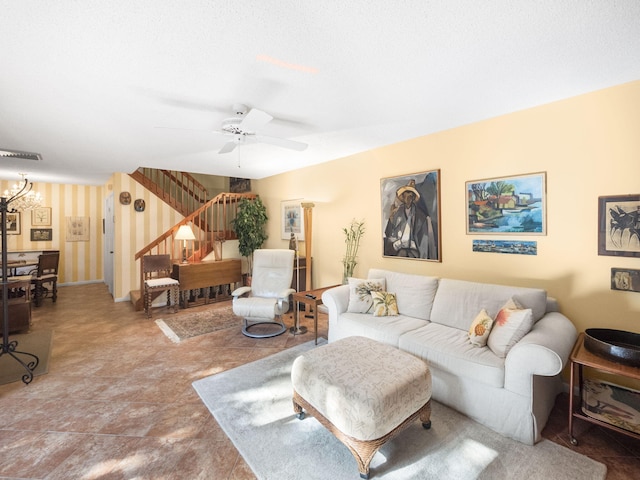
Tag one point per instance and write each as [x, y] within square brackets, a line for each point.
[136, 299]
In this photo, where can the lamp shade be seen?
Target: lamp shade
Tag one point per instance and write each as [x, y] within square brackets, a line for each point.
[185, 233]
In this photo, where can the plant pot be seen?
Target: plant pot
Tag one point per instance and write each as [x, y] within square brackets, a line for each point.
[348, 266]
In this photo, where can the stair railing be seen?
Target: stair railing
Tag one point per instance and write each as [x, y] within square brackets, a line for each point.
[211, 225]
[180, 190]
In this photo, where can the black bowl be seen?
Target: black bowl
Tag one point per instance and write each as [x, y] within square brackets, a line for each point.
[615, 345]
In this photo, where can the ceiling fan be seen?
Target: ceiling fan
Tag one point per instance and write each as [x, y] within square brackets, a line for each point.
[243, 127]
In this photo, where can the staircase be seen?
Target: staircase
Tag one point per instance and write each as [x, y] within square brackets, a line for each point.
[210, 220]
[178, 189]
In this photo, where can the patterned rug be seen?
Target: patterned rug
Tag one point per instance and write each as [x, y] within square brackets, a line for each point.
[252, 404]
[181, 326]
[37, 343]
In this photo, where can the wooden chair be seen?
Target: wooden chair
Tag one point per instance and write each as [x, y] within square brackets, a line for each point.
[46, 273]
[157, 279]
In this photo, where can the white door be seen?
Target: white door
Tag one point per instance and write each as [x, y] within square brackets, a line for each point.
[108, 230]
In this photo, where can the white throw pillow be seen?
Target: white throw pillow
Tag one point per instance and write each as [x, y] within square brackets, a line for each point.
[510, 325]
[384, 304]
[480, 329]
[360, 300]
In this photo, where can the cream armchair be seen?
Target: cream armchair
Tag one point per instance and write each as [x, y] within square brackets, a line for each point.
[267, 299]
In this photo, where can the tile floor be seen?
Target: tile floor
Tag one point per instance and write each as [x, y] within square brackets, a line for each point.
[117, 402]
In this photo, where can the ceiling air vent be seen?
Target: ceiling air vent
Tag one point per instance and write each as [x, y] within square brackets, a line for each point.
[19, 154]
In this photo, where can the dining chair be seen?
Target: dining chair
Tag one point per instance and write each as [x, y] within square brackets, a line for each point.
[156, 270]
[45, 274]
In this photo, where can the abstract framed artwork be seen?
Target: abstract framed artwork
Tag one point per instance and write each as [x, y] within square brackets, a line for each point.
[507, 205]
[619, 225]
[411, 216]
[292, 219]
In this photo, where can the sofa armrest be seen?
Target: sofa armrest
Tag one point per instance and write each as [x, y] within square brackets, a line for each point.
[543, 351]
[336, 300]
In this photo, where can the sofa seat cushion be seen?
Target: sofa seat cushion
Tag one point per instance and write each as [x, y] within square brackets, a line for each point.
[448, 349]
[383, 329]
[458, 302]
[414, 293]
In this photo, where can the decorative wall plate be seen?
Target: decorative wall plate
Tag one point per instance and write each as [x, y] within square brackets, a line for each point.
[125, 198]
[139, 205]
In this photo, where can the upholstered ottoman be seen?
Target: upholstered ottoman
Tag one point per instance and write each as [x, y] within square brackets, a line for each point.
[362, 391]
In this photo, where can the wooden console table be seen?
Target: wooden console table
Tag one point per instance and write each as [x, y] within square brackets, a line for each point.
[581, 357]
[194, 276]
[19, 303]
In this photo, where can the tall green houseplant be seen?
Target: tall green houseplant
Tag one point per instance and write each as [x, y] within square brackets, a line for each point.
[249, 227]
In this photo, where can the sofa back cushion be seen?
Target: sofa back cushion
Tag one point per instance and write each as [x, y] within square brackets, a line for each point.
[414, 293]
[457, 302]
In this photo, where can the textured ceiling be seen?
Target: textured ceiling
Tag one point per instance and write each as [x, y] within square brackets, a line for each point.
[98, 86]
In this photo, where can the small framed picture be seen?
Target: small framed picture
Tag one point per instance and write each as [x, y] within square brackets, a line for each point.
[619, 225]
[292, 219]
[13, 223]
[625, 279]
[41, 216]
[41, 234]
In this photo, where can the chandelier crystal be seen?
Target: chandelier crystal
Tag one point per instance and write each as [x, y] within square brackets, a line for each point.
[21, 196]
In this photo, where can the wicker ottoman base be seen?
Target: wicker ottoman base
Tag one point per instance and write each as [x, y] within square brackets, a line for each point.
[363, 392]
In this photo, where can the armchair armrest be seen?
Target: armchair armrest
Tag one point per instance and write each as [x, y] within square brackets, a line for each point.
[283, 300]
[543, 351]
[286, 293]
[238, 292]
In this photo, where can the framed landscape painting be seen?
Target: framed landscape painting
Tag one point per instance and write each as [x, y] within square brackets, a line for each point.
[507, 205]
[411, 216]
[619, 225]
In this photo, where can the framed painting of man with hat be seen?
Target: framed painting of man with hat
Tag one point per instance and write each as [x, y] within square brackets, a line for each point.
[411, 216]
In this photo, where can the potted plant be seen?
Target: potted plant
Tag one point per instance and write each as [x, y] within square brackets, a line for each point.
[249, 227]
[353, 234]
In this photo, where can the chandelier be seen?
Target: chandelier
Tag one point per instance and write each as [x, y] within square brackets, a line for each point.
[21, 196]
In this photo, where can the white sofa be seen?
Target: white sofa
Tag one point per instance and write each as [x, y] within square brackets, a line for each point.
[513, 395]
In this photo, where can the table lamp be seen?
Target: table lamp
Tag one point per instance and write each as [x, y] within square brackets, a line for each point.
[184, 233]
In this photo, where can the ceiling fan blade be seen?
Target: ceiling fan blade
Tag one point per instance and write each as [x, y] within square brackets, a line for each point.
[255, 120]
[282, 142]
[228, 147]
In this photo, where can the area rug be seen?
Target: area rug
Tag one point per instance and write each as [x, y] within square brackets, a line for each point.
[37, 343]
[252, 403]
[191, 324]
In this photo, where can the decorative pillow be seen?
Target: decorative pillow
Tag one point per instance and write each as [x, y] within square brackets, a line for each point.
[384, 304]
[480, 329]
[510, 325]
[360, 300]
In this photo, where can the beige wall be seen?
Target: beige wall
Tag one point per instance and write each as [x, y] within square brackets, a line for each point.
[588, 146]
[79, 261]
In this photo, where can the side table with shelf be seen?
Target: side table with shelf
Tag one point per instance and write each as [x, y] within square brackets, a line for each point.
[581, 357]
[311, 299]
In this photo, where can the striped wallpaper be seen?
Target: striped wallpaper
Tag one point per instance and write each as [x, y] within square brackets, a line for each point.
[134, 230]
[79, 261]
[82, 262]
